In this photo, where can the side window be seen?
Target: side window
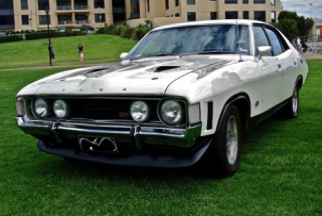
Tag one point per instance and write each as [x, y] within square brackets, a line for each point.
[260, 39]
[276, 45]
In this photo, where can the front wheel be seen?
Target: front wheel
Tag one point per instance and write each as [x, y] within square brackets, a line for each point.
[225, 150]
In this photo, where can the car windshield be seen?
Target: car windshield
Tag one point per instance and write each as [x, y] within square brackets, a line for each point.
[212, 39]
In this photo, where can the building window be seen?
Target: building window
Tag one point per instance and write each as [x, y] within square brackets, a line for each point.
[24, 4]
[191, 2]
[273, 2]
[213, 15]
[245, 2]
[191, 16]
[135, 9]
[231, 15]
[245, 14]
[259, 2]
[230, 1]
[176, 15]
[25, 19]
[43, 5]
[177, 3]
[99, 4]
[273, 16]
[260, 15]
[148, 3]
[167, 4]
[43, 20]
[100, 18]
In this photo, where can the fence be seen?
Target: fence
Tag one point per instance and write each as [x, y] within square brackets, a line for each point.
[309, 44]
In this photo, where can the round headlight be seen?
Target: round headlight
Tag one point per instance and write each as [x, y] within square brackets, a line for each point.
[171, 112]
[41, 107]
[60, 108]
[139, 111]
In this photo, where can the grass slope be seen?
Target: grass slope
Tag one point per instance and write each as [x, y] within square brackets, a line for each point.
[97, 48]
[280, 172]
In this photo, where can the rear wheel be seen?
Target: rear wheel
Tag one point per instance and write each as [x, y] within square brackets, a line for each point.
[292, 108]
[225, 150]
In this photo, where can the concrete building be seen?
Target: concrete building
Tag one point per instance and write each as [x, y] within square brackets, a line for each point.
[317, 28]
[31, 14]
[162, 12]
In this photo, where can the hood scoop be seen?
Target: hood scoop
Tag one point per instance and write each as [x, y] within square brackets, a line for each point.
[164, 68]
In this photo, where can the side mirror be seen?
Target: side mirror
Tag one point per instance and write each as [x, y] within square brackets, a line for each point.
[124, 55]
[263, 50]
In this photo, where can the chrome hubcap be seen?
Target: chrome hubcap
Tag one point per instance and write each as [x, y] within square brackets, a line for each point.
[295, 101]
[232, 140]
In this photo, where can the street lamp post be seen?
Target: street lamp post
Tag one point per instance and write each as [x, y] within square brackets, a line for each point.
[30, 21]
[50, 49]
[311, 9]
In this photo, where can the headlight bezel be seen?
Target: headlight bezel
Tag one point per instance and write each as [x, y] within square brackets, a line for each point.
[67, 109]
[34, 108]
[147, 117]
[182, 109]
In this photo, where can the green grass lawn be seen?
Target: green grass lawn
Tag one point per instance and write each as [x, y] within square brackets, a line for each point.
[97, 49]
[280, 171]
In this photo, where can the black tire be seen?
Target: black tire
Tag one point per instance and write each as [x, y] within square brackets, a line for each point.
[292, 107]
[224, 154]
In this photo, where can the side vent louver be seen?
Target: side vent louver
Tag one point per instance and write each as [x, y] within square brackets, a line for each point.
[210, 115]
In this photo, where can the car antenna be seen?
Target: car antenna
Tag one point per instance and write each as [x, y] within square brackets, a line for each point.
[238, 38]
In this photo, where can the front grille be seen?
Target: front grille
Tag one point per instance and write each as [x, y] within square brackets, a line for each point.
[106, 109]
[103, 109]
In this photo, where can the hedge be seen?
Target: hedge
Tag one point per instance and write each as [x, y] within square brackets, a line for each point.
[44, 34]
[124, 31]
[10, 38]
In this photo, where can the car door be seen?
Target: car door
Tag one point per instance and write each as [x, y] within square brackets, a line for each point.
[287, 60]
[270, 68]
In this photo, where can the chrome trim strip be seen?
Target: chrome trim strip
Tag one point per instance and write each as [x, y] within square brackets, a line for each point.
[93, 130]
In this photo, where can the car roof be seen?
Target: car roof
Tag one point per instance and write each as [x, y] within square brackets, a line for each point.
[209, 22]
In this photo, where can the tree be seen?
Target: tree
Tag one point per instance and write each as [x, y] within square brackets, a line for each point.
[289, 28]
[302, 27]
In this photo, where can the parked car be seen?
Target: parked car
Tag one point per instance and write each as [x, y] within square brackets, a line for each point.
[183, 93]
[61, 29]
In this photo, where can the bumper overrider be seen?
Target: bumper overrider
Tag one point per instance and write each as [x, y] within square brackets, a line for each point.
[132, 145]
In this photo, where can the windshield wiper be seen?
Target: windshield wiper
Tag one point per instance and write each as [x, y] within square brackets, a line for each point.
[216, 52]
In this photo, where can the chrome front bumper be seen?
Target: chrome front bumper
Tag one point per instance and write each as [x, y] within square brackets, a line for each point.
[55, 136]
[58, 132]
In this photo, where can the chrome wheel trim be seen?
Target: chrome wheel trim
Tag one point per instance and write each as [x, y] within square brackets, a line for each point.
[295, 101]
[232, 140]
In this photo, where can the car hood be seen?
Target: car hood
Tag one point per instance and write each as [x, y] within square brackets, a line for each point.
[145, 77]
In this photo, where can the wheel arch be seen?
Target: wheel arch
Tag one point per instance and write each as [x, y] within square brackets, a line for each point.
[242, 102]
[299, 81]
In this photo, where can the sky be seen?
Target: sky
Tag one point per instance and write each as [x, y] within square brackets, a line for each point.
[302, 7]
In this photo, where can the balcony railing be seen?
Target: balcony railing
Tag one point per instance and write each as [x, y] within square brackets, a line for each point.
[64, 22]
[79, 22]
[64, 7]
[81, 7]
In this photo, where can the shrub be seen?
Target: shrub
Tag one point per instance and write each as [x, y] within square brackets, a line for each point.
[10, 38]
[44, 34]
[127, 32]
[140, 32]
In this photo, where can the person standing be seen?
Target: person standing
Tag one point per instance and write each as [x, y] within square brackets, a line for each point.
[299, 45]
[81, 53]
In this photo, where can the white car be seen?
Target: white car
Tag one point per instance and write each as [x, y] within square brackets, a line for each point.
[184, 92]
